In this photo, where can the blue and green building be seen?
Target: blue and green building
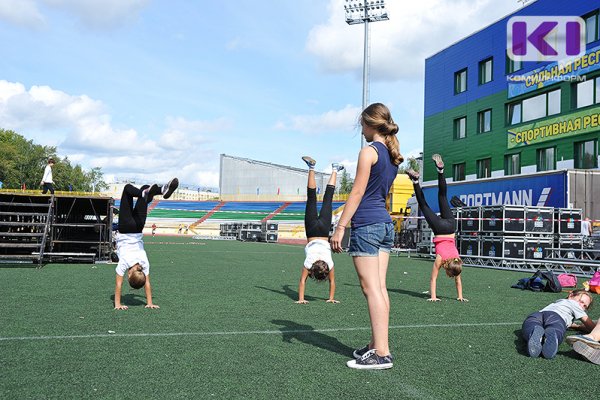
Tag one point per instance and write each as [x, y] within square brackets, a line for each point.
[492, 117]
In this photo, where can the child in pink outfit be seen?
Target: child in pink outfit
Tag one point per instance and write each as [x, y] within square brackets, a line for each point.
[447, 256]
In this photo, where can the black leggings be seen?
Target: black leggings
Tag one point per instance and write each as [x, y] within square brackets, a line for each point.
[132, 219]
[440, 225]
[47, 187]
[318, 225]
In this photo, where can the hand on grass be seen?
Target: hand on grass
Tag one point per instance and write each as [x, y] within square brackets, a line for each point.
[121, 307]
[433, 299]
[332, 301]
[151, 306]
[462, 299]
[302, 302]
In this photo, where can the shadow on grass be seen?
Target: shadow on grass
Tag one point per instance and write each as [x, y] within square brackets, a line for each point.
[520, 343]
[401, 291]
[130, 299]
[289, 292]
[307, 334]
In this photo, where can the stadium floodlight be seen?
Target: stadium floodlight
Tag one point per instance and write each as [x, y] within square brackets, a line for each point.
[363, 12]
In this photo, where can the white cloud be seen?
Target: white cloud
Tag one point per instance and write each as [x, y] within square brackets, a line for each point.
[82, 129]
[398, 47]
[100, 13]
[327, 122]
[22, 12]
[97, 14]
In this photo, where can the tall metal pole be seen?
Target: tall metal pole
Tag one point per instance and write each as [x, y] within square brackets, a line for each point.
[363, 12]
[365, 96]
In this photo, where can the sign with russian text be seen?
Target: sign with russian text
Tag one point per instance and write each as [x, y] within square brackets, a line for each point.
[539, 190]
[568, 70]
[555, 128]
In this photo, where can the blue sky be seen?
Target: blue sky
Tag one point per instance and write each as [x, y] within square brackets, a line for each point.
[151, 89]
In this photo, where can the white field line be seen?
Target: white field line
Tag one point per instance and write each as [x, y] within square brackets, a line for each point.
[237, 333]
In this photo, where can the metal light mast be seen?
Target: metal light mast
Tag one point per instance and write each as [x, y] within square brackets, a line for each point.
[363, 12]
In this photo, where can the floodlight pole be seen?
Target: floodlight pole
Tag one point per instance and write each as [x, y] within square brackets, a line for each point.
[365, 94]
[358, 12]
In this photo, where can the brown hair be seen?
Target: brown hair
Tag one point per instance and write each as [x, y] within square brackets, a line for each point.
[319, 270]
[378, 117]
[51, 160]
[137, 279]
[579, 292]
[453, 267]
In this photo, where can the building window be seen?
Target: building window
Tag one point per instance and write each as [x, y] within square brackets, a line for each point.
[460, 81]
[484, 123]
[512, 164]
[484, 168]
[587, 93]
[512, 65]
[514, 113]
[553, 102]
[458, 172]
[586, 154]
[460, 128]
[534, 107]
[591, 27]
[546, 159]
[485, 71]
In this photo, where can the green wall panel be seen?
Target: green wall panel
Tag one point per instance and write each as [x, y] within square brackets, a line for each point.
[439, 135]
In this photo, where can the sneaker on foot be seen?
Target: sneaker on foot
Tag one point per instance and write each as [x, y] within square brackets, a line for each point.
[582, 338]
[590, 353]
[412, 174]
[168, 189]
[309, 161]
[149, 193]
[337, 167]
[534, 344]
[439, 163]
[550, 347]
[145, 190]
[358, 353]
[370, 360]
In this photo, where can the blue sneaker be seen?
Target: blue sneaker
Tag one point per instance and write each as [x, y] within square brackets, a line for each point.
[534, 344]
[370, 360]
[550, 347]
[310, 162]
[337, 167]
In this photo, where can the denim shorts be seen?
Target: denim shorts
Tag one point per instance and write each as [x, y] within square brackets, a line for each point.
[369, 240]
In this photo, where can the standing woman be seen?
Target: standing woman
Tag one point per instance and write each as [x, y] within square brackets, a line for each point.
[47, 182]
[372, 233]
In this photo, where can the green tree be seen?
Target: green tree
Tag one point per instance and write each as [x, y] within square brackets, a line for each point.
[345, 183]
[95, 178]
[410, 163]
[23, 162]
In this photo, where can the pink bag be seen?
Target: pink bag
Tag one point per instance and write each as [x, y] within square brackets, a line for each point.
[595, 283]
[567, 280]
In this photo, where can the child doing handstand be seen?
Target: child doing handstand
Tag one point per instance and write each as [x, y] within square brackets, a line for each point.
[318, 263]
[447, 256]
[130, 245]
[544, 330]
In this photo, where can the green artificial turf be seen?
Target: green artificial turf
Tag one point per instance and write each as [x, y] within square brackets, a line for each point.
[228, 327]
